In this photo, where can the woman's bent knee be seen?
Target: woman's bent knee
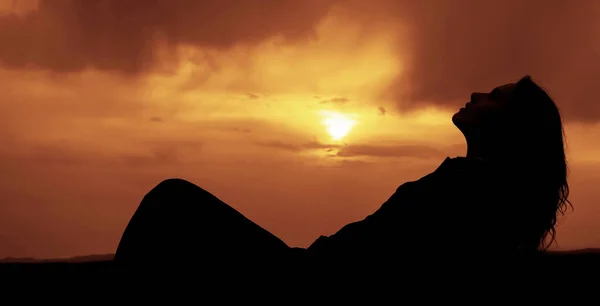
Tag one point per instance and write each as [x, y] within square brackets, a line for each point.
[173, 186]
[176, 190]
[174, 183]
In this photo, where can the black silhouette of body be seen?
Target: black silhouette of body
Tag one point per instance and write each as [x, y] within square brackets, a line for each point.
[501, 199]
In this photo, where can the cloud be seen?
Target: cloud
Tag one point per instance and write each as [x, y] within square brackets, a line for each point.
[338, 100]
[70, 35]
[444, 49]
[457, 47]
[368, 150]
[252, 96]
[241, 130]
[418, 151]
[295, 147]
[155, 153]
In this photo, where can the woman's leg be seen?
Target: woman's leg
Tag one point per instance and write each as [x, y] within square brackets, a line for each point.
[178, 222]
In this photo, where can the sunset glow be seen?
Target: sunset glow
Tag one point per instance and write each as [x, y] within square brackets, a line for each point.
[338, 125]
[303, 115]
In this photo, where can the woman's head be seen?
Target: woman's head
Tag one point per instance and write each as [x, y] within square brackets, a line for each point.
[519, 125]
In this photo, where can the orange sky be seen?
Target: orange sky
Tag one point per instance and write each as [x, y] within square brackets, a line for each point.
[102, 100]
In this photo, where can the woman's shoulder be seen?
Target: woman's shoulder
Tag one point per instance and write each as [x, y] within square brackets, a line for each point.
[454, 177]
[429, 180]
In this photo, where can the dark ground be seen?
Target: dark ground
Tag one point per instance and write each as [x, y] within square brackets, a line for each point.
[546, 277]
[576, 259]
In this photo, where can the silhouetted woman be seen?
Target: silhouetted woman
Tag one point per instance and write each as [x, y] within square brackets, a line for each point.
[503, 197]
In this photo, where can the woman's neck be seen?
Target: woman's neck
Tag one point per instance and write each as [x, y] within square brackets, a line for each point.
[480, 152]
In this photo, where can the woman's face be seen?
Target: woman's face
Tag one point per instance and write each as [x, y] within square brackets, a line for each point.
[484, 108]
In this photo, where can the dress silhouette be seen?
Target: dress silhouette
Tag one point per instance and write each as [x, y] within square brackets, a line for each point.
[452, 209]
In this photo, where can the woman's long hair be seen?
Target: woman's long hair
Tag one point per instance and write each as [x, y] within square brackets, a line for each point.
[537, 153]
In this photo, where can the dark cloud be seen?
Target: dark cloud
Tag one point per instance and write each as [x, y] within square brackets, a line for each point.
[252, 96]
[241, 130]
[338, 100]
[398, 150]
[419, 151]
[457, 47]
[47, 154]
[70, 35]
[154, 153]
[448, 49]
[157, 156]
[295, 147]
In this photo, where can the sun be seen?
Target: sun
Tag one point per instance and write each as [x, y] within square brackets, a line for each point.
[337, 124]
